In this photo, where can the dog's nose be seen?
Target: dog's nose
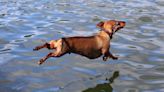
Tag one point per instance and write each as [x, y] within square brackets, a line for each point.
[122, 23]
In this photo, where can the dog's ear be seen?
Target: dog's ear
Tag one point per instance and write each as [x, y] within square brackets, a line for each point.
[100, 24]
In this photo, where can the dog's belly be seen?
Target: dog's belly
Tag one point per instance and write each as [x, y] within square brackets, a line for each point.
[91, 54]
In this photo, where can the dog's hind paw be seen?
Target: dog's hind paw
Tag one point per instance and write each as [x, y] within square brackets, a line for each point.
[36, 49]
[41, 62]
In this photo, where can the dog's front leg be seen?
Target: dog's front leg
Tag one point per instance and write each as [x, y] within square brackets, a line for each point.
[46, 45]
[113, 57]
[109, 55]
[105, 53]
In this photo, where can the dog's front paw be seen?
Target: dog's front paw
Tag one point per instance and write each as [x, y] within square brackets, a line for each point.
[114, 58]
[41, 62]
[105, 58]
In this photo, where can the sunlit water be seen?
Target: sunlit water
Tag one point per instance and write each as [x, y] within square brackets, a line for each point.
[25, 24]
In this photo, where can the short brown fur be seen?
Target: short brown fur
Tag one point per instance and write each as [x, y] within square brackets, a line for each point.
[91, 47]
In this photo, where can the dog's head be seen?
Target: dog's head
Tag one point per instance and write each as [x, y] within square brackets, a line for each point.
[111, 26]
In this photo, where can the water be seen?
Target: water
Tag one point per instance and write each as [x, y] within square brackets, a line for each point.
[25, 24]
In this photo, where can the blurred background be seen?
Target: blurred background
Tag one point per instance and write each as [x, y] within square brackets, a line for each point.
[25, 24]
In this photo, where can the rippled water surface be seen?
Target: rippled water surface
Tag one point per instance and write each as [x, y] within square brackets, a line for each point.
[25, 24]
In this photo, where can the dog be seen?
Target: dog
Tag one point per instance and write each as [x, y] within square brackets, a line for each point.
[91, 47]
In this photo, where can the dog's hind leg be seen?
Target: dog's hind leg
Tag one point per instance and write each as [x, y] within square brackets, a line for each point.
[46, 45]
[55, 54]
[45, 58]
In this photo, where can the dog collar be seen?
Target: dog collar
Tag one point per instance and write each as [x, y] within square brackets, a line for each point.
[110, 34]
[67, 44]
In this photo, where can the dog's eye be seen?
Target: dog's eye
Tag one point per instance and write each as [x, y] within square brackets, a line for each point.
[117, 23]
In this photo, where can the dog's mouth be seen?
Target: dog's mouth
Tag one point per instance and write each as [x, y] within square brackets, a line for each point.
[119, 28]
[116, 28]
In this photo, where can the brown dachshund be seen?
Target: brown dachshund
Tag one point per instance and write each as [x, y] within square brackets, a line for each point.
[91, 47]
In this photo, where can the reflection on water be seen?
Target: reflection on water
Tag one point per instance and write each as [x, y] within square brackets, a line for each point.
[105, 87]
[25, 24]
